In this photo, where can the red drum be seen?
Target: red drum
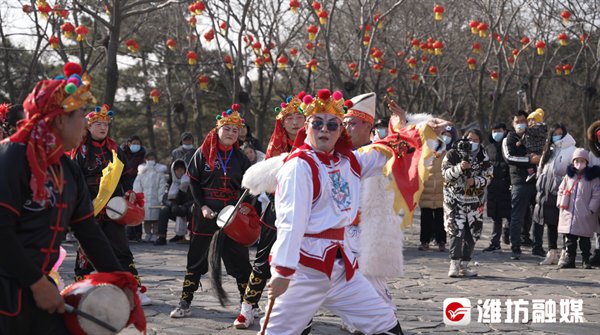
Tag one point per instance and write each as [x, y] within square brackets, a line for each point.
[244, 225]
[105, 302]
[124, 212]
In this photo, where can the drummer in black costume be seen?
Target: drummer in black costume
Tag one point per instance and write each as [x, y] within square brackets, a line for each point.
[41, 193]
[287, 123]
[215, 172]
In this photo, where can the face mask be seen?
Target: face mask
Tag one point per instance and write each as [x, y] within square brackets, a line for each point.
[520, 128]
[556, 138]
[150, 163]
[579, 165]
[135, 147]
[188, 146]
[497, 136]
[474, 146]
[446, 139]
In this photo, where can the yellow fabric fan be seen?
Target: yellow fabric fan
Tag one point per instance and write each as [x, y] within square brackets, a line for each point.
[108, 183]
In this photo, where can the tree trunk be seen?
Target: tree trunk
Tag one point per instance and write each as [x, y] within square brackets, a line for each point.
[112, 68]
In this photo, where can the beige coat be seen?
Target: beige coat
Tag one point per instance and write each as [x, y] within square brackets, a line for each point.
[433, 193]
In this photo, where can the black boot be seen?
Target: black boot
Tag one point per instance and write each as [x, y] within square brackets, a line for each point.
[505, 236]
[586, 262]
[595, 261]
[567, 263]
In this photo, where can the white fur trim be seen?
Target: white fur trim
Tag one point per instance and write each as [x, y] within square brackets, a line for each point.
[261, 177]
[381, 238]
[414, 119]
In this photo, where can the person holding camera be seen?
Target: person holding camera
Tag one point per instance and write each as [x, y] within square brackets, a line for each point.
[467, 172]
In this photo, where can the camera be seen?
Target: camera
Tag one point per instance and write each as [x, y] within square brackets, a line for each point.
[463, 147]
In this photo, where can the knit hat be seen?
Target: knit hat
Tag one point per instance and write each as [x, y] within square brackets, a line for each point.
[363, 107]
[581, 153]
[537, 115]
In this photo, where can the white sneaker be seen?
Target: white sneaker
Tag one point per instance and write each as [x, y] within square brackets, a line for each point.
[147, 238]
[454, 268]
[181, 311]
[563, 256]
[144, 299]
[153, 238]
[246, 317]
[350, 329]
[551, 258]
[466, 271]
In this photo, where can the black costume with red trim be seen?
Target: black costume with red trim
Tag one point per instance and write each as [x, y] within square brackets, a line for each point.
[91, 157]
[215, 189]
[31, 232]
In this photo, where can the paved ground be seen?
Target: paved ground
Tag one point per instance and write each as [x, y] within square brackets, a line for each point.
[419, 295]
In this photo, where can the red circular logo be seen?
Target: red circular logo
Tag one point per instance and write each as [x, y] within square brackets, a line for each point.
[452, 312]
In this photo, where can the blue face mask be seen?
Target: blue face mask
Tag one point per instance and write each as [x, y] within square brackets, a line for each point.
[556, 138]
[497, 136]
[446, 139]
[520, 128]
[474, 146]
[135, 147]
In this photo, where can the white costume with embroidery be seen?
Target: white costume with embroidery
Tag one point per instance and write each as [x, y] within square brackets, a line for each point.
[318, 278]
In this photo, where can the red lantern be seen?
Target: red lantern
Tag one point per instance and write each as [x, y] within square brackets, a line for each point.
[473, 25]
[192, 58]
[312, 32]
[376, 54]
[352, 66]
[197, 8]
[366, 39]
[525, 41]
[54, 42]
[155, 95]
[515, 52]
[282, 62]
[294, 5]
[259, 62]
[81, 32]
[415, 43]
[310, 47]
[567, 68]
[377, 67]
[67, 29]
[412, 62]
[540, 46]
[132, 45]
[393, 72]
[316, 6]
[267, 55]
[323, 16]
[583, 38]
[192, 21]
[433, 70]
[415, 78]
[510, 60]
[228, 62]
[400, 54]
[566, 15]
[59, 11]
[558, 69]
[209, 35]
[171, 44]
[424, 59]
[438, 12]
[471, 63]
[223, 27]
[494, 75]
[27, 9]
[482, 27]
[390, 91]
[378, 21]
[437, 47]
[563, 39]
[44, 8]
[203, 81]
[476, 48]
[312, 65]
[256, 46]
[294, 52]
[248, 39]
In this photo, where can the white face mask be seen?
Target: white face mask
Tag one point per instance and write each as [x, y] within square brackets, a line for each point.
[188, 146]
[446, 139]
[150, 163]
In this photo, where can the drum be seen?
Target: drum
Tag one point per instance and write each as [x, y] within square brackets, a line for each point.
[244, 225]
[124, 212]
[105, 302]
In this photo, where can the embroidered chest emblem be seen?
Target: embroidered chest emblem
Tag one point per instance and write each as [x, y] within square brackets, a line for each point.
[340, 190]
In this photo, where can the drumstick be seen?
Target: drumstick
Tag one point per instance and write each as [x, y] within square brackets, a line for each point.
[92, 318]
[267, 316]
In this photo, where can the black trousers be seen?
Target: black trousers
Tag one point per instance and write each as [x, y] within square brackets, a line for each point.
[432, 225]
[170, 212]
[585, 246]
[115, 233]
[261, 269]
[235, 257]
[31, 320]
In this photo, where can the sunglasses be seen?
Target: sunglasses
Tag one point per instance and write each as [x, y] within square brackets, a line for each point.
[318, 125]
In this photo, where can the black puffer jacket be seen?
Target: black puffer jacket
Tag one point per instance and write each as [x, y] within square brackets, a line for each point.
[498, 196]
[515, 154]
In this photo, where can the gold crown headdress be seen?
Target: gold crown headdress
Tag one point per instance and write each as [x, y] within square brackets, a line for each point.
[231, 117]
[101, 113]
[325, 102]
[77, 89]
[290, 106]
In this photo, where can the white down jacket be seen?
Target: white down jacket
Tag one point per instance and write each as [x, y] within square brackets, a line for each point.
[152, 181]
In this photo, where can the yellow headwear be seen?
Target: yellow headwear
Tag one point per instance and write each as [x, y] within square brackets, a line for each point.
[537, 115]
[77, 89]
[100, 114]
[325, 103]
[289, 106]
[231, 117]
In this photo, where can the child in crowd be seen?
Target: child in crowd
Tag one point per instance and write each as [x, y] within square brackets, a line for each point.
[535, 136]
[151, 181]
[579, 201]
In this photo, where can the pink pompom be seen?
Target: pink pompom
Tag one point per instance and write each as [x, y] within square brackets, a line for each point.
[73, 81]
[235, 107]
[71, 68]
[283, 105]
[307, 99]
[301, 95]
[244, 121]
[324, 94]
[337, 95]
[224, 114]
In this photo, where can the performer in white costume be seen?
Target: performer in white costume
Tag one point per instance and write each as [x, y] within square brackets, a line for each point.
[318, 193]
